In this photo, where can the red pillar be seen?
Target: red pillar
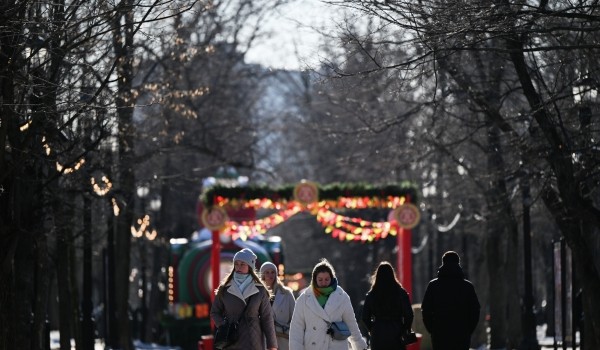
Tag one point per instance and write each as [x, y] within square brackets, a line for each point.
[404, 263]
[215, 262]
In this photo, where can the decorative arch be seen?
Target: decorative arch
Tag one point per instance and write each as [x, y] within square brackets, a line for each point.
[324, 202]
[320, 201]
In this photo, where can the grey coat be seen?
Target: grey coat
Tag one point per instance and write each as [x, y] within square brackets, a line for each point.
[257, 323]
[283, 308]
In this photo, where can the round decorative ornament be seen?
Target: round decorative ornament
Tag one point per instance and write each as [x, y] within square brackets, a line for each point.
[306, 192]
[214, 218]
[407, 215]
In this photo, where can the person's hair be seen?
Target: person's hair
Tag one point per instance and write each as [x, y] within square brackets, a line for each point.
[276, 283]
[322, 266]
[384, 283]
[450, 257]
[229, 277]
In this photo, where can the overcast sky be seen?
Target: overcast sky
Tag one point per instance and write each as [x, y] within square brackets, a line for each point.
[292, 34]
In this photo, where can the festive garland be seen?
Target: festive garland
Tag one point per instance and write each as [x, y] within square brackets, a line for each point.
[336, 196]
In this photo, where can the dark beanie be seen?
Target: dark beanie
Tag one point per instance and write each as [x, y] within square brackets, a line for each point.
[450, 257]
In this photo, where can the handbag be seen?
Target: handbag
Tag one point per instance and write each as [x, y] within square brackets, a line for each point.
[338, 330]
[228, 333]
[409, 337]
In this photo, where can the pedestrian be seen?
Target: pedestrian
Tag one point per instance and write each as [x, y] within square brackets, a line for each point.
[450, 306]
[282, 303]
[387, 313]
[322, 303]
[242, 296]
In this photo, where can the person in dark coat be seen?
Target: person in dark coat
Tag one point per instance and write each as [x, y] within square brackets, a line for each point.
[243, 286]
[387, 313]
[450, 306]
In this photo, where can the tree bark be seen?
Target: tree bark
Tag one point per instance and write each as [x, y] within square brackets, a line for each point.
[502, 246]
[63, 285]
[123, 46]
[576, 216]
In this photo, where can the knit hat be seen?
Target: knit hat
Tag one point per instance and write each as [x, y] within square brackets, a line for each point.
[450, 257]
[268, 266]
[247, 256]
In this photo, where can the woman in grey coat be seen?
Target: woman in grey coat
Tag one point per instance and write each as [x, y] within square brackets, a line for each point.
[242, 286]
[282, 303]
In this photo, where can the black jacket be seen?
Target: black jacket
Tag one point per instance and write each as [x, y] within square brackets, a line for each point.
[450, 309]
[387, 321]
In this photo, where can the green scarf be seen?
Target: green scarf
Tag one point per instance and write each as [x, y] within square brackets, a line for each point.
[322, 294]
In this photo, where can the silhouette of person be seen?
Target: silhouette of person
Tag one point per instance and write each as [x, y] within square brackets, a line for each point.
[387, 313]
[450, 306]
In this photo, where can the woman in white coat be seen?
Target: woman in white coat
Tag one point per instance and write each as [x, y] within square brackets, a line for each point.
[320, 304]
[282, 302]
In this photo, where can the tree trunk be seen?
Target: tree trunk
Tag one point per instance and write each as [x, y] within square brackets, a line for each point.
[480, 336]
[584, 264]
[576, 215]
[63, 285]
[502, 248]
[41, 292]
[123, 47]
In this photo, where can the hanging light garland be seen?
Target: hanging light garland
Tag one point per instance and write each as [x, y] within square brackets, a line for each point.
[319, 201]
[339, 226]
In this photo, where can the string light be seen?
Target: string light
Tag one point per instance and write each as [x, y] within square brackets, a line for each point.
[341, 227]
[101, 190]
[115, 206]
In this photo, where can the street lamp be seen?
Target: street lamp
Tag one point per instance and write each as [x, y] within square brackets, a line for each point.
[584, 93]
[142, 192]
[144, 234]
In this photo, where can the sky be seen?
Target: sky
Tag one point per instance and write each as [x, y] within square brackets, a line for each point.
[292, 35]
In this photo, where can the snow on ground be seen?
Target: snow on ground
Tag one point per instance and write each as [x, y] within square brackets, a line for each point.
[546, 343]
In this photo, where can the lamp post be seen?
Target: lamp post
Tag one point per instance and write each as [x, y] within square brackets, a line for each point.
[155, 205]
[142, 192]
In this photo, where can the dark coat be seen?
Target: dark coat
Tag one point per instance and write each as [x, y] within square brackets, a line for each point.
[387, 321]
[256, 325]
[450, 309]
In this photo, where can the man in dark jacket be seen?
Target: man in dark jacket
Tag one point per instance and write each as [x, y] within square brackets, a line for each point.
[450, 306]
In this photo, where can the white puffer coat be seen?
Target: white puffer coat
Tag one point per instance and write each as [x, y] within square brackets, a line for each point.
[310, 322]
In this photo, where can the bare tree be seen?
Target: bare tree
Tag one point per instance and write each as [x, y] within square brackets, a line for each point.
[535, 55]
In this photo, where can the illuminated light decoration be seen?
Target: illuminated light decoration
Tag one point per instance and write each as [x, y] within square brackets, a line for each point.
[249, 229]
[151, 235]
[61, 169]
[171, 285]
[25, 126]
[101, 190]
[319, 201]
[115, 206]
[46, 146]
[341, 227]
[144, 224]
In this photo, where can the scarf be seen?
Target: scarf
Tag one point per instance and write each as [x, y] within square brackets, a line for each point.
[322, 293]
[242, 280]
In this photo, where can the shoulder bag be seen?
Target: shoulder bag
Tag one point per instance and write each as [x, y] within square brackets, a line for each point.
[338, 330]
[228, 332]
[409, 337]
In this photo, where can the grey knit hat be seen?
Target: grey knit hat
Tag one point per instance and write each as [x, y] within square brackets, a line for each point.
[247, 256]
[266, 266]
